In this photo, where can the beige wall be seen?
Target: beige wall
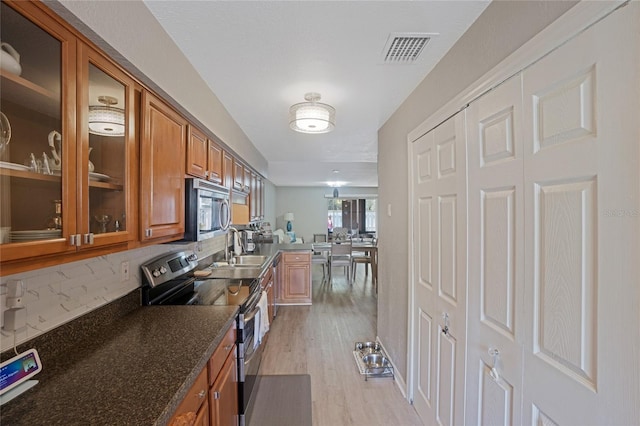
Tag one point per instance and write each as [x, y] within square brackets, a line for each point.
[131, 29]
[500, 30]
[309, 207]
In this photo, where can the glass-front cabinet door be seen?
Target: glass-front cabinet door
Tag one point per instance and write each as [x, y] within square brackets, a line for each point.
[67, 140]
[37, 134]
[106, 130]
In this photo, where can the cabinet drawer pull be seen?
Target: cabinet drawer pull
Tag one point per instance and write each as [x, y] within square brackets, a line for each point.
[148, 232]
[202, 394]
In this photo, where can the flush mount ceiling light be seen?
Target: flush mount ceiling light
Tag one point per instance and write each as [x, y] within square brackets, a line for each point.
[105, 119]
[312, 116]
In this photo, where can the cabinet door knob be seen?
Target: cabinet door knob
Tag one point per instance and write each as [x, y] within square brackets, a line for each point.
[216, 395]
[88, 238]
[201, 394]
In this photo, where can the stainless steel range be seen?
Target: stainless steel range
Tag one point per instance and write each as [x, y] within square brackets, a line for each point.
[169, 280]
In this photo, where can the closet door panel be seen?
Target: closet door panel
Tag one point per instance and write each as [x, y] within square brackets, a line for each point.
[496, 262]
[581, 166]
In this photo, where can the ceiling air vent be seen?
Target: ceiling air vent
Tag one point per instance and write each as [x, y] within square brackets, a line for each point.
[404, 47]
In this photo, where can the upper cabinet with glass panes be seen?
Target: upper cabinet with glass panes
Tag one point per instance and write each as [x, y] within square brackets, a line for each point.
[64, 165]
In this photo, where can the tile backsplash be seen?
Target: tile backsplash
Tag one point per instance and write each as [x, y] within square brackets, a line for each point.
[58, 294]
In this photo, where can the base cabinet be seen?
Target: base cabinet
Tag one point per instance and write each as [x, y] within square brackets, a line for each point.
[223, 382]
[295, 287]
[194, 408]
[223, 395]
[213, 398]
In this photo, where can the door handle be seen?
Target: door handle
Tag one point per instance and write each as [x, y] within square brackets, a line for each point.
[495, 355]
[445, 329]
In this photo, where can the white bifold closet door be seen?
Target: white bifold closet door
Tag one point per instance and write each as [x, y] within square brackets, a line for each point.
[554, 237]
[439, 307]
[582, 228]
[496, 257]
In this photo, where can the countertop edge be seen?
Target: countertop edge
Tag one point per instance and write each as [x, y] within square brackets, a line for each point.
[188, 382]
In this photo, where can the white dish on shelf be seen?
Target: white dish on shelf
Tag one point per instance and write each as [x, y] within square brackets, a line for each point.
[13, 166]
[98, 176]
[36, 234]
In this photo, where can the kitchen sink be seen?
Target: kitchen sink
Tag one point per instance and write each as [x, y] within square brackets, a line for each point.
[242, 266]
[249, 260]
[235, 272]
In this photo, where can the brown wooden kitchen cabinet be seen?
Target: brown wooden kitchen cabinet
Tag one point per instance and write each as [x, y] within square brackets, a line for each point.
[194, 408]
[253, 196]
[223, 395]
[197, 153]
[260, 198]
[247, 179]
[296, 280]
[256, 197]
[227, 170]
[204, 156]
[238, 176]
[214, 162]
[223, 382]
[65, 185]
[213, 398]
[162, 162]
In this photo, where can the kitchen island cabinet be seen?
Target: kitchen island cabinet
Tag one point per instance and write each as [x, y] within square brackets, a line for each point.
[296, 280]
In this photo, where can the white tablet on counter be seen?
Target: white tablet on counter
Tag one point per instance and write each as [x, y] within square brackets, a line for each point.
[16, 374]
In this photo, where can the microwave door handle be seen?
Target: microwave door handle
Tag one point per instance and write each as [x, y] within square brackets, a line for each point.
[225, 205]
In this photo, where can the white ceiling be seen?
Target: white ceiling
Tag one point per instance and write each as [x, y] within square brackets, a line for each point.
[260, 57]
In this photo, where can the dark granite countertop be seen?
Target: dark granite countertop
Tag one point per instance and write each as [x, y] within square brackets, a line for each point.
[136, 371]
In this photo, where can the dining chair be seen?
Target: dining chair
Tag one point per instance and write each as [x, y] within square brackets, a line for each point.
[319, 238]
[339, 234]
[340, 255]
[320, 257]
[364, 257]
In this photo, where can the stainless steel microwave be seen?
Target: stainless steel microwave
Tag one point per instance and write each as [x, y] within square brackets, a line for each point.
[207, 212]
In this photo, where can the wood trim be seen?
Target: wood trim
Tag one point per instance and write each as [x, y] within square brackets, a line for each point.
[38, 261]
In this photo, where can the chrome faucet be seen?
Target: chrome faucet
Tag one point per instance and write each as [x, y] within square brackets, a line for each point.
[236, 237]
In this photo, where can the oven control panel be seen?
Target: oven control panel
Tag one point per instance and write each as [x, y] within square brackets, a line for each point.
[168, 267]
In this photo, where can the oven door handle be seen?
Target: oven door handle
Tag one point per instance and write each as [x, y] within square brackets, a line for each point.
[251, 315]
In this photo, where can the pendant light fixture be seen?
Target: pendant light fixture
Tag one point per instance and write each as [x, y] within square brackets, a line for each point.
[105, 119]
[312, 116]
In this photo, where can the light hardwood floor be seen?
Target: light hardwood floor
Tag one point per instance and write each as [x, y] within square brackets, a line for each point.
[319, 340]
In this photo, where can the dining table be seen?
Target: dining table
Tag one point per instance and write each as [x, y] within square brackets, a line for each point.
[367, 247]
